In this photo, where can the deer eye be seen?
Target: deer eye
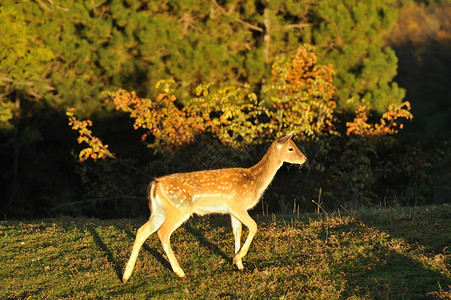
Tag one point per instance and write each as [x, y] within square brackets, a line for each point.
[290, 149]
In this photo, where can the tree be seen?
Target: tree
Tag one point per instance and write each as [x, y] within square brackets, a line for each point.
[23, 79]
[23, 60]
[133, 44]
[82, 48]
[350, 35]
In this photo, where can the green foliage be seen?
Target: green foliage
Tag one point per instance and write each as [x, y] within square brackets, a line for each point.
[237, 114]
[301, 95]
[106, 45]
[349, 34]
[23, 63]
[66, 52]
[299, 98]
[6, 114]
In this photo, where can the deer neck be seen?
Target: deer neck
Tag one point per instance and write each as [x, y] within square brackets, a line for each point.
[265, 170]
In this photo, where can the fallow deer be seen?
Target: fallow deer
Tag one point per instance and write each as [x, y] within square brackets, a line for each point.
[174, 198]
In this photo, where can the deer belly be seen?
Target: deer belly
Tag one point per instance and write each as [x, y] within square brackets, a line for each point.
[211, 209]
[211, 204]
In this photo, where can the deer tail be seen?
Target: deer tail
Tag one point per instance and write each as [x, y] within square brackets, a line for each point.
[151, 195]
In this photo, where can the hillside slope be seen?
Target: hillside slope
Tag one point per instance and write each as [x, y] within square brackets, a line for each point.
[385, 253]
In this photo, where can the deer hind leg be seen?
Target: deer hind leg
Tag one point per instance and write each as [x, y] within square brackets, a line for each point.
[155, 221]
[237, 227]
[244, 218]
[174, 219]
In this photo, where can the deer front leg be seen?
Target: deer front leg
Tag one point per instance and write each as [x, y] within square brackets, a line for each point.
[237, 227]
[244, 218]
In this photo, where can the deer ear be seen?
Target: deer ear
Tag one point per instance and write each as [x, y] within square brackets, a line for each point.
[283, 140]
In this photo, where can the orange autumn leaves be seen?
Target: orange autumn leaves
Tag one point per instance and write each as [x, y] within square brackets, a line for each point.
[299, 98]
[390, 122]
[96, 149]
[304, 93]
[304, 70]
[161, 118]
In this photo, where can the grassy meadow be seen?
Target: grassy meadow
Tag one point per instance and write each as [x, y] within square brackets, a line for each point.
[394, 253]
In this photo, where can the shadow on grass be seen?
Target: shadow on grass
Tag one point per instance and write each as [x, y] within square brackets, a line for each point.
[120, 264]
[385, 271]
[356, 259]
[199, 235]
[424, 236]
[385, 259]
[429, 227]
[110, 257]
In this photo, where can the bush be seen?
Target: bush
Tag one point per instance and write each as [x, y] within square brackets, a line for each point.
[232, 126]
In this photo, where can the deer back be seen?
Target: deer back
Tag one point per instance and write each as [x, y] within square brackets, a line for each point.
[209, 191]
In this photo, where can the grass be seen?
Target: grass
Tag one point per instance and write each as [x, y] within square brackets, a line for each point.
[402, 253]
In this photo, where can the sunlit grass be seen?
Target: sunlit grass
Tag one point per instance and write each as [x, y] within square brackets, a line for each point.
[380, 253]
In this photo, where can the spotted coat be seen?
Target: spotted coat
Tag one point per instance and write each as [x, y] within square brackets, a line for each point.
[187, 189]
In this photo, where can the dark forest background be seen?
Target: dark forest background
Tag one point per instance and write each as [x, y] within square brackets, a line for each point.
[66, 53]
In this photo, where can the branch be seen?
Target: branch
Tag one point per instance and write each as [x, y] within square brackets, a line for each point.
[267, 37]
[246, 24]
[296, 26]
